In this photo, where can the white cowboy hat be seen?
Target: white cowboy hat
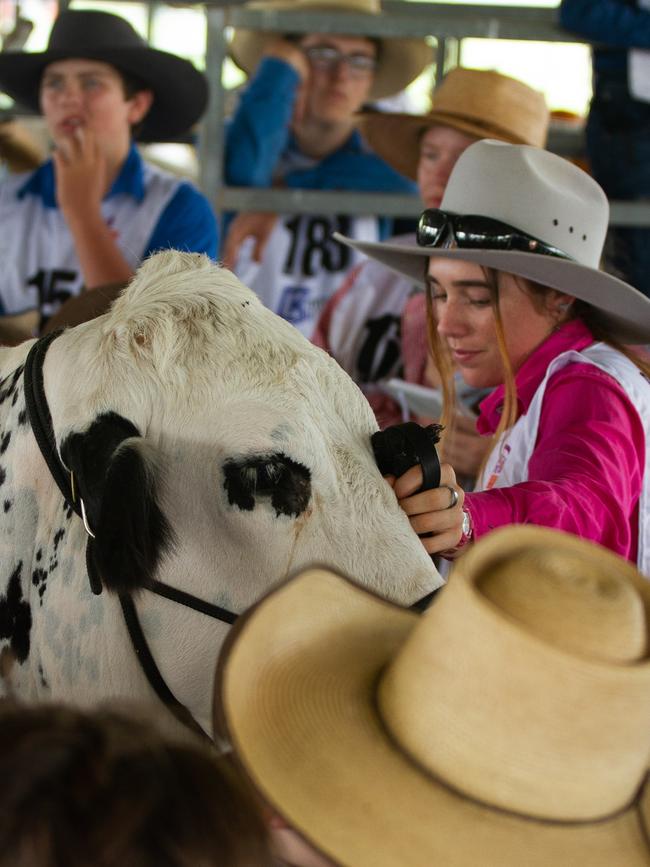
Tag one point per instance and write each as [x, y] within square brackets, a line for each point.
[546, 197]
[400, 60]
[478, 102]
[508, 725]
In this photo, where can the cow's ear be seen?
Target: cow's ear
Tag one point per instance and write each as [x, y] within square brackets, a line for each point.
[118, 487]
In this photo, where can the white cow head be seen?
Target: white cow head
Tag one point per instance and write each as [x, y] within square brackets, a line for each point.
[218, 451]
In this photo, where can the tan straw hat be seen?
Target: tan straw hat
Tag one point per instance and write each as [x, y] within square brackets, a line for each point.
[478, 102]
[546, 197]
[400, 60]
[507, 726]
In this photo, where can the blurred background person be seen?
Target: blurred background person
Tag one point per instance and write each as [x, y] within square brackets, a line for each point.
[101, 787]
[618, 124]
[91, 214]
[295, 127]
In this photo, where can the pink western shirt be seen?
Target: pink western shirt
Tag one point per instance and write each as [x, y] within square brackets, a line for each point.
[586, 470]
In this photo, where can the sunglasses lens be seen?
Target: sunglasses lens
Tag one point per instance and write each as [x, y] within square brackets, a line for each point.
[432, 227]
[472, 230]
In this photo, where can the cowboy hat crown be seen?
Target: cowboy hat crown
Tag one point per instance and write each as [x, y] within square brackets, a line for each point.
[477, 102]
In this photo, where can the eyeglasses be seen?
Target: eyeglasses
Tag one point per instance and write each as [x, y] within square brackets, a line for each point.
[437, 228]
[327, 58]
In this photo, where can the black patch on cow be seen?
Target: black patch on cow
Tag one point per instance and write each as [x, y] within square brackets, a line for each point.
[39, 555]
[58, 537]
[276, 477]
[16, 616]
[39, 575]
[119, 493]
[22, 417]
[6, 506]
[4, 442]
[3, 475]
[14, 399]
[8, 385]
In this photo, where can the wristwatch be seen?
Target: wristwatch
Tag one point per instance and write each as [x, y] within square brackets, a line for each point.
[467, 529]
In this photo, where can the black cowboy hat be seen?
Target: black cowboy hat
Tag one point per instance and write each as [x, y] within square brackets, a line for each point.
[180, 91]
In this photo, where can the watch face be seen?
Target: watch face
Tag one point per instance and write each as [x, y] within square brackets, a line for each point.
[466, 526]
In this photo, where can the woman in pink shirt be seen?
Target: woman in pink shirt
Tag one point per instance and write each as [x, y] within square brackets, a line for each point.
[517, 302]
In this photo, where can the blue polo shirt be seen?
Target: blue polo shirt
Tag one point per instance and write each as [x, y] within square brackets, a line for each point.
[147, 209]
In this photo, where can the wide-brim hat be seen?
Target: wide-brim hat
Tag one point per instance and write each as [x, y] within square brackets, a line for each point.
[180, 91]
[508, 725]
[477, 102]
[400, 60]
[547, 197]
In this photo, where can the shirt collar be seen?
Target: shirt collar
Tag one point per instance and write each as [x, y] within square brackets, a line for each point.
[130, 181]
[573, 334]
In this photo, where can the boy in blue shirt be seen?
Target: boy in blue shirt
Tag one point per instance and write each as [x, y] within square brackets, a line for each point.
[89, 216]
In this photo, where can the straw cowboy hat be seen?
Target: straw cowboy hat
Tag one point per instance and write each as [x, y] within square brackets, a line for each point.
[400, 60]
[477, 102]
[509, 725]
[546, 197]
[180, 91]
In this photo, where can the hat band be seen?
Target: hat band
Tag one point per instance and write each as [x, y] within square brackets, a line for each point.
[437, 228]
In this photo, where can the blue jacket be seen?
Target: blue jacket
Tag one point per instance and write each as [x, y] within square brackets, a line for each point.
[259, 141]
[614, 25]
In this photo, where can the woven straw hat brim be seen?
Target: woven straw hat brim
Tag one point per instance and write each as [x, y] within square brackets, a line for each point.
[180, 90]
[297, 685]
[401, 60]
[627, 309]
[396, 137]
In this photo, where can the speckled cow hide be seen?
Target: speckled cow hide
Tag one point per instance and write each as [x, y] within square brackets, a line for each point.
[216, 450]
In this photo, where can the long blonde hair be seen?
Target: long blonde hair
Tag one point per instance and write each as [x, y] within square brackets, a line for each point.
[595, 321]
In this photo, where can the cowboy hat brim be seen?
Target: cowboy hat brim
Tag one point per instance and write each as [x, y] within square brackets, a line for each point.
[400, 62]
[180, 91]
[396, 137]
[296, 696]
[627, 309]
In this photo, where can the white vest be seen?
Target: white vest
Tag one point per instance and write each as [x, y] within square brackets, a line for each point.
[508, 462]
[302, 266]
[39, 267]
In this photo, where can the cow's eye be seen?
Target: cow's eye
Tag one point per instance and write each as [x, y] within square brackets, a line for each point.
[274, 477]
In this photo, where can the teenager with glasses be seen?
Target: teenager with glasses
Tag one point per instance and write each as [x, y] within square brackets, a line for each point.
[517, 302]
[295, 126]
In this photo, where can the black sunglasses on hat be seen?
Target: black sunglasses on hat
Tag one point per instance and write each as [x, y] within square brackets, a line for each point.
[437, 228]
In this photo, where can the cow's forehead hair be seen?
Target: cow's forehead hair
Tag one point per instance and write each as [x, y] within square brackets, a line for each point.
[185, 334]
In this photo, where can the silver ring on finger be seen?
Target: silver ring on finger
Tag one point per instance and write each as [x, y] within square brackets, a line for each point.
[454, 496]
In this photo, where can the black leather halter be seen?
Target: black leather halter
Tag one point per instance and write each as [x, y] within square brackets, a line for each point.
[40, 419]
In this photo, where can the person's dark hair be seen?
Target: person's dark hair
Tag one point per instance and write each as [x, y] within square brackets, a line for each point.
[131, 83]
[101, 788]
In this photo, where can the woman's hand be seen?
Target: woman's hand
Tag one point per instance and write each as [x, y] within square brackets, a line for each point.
[431, 513]
[248, 224]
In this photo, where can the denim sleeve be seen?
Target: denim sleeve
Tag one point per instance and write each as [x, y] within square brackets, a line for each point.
[613, 23]
[187, 223]
[258, 132]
